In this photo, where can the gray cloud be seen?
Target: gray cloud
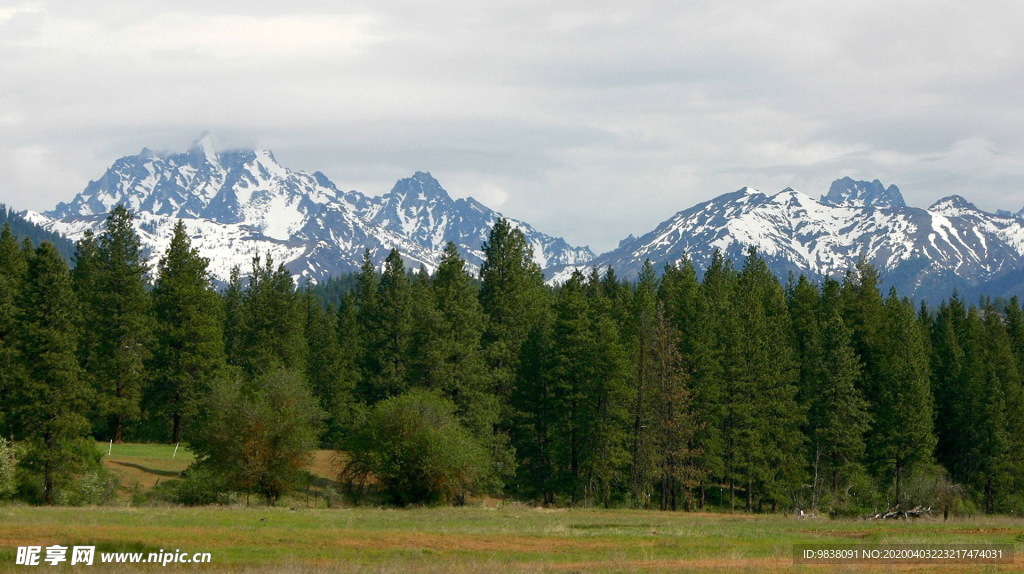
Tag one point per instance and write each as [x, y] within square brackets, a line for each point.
[591, 120]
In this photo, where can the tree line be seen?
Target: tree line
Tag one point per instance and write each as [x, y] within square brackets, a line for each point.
[679, 390]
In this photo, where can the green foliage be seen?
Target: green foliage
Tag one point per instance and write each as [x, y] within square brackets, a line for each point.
[97, 486]
[387, 327]
[513, 296]
[188, 347]
[271, 318]
[8, 464]
[119, 321]
[331, 371]
[21, 227]
[598, 391]
[414, 445]
[256, 435]
[50, 400]
[902, 436]
[198, 486]
[12, 274]
[673, 421]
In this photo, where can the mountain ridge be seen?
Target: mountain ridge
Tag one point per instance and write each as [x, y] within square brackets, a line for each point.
[300, 219]
[925, 253]
[242, 203]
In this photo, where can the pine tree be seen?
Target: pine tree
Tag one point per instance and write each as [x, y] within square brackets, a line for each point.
[1015, 329]
[233, 306]
[336, 389]
[950, 374]
[589, 370]
[536, 407]
[121, 323]
[902, 437]
[767, 433]
[863, 313]
[513, 295]
[716, 374]
[449, 344]
[188, 353]
[804, 298]
[388, 330]
[642, 338]
[686, 310]
[53, 395]
[838, 417]
[1003, 399]
[85, 280]
[674, 425]
[12, 274]
[272, 335]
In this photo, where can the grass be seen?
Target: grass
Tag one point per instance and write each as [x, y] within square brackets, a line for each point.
[142, 466]
[511, 538]
[497, 538]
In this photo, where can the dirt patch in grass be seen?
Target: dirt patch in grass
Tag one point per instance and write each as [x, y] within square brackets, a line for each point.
[995, 530]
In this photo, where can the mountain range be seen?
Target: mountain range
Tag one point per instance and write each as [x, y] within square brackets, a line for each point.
[925, 253]
[243, 203]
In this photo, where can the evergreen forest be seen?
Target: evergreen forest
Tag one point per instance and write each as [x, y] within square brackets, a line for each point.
[721, 388]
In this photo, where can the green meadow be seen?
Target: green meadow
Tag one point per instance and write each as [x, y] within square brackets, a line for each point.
[487, 536]
[507, 538]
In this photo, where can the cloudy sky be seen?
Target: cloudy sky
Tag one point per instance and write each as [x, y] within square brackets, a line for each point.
[590, 119]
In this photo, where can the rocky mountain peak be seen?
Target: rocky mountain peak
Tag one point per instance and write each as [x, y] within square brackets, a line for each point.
[848, 192]
[952, 204]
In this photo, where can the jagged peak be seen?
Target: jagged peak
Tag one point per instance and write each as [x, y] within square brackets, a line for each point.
[421, 186]
[953, 203]
[850, 192]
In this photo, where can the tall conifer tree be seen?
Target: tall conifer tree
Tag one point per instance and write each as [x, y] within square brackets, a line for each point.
[902, 436]
[512, 294]
[53, 395]
[121, 323]
[12, 274]
[188, 354]
[388, 332]
[273, 322]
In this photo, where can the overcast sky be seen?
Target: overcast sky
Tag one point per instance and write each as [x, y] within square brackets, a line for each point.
[591, 120]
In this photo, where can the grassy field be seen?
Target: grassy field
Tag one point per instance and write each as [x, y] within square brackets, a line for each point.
[504, 539]
[491, 538]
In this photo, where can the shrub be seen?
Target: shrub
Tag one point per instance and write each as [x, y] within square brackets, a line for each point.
[197, 487]
[414, 445]
[256, 437]
[96, 486]
[7, 463]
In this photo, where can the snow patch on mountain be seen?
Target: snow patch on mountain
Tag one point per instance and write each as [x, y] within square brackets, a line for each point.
[917, 250]
[241, 203]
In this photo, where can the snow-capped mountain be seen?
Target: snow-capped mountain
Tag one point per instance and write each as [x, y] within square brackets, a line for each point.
[419, 208]
[923, 252]
[243, 203]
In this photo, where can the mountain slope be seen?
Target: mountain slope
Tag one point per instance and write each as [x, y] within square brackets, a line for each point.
[923, 252]
[419, 208]
[243, 203]
[21, 227]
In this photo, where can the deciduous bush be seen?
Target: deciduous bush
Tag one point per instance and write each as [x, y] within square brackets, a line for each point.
[256, 436]
[416, 449]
